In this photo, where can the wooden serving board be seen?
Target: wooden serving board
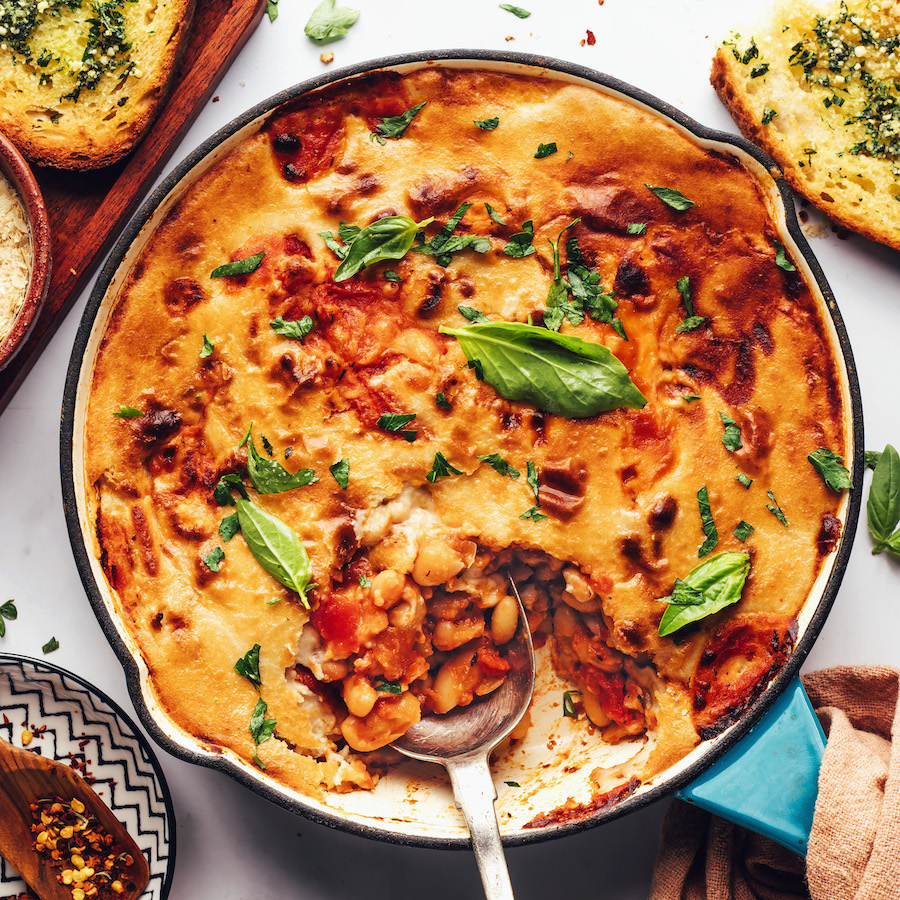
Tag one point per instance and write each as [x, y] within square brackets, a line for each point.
[87, 210]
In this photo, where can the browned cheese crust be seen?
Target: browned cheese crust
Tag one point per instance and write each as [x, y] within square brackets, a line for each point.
[619, 489]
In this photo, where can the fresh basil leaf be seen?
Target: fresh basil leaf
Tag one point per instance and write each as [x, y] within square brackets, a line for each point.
[781, 258]
[227, 483]
[892, 545]
[388, 687]
[557, 305]
[2, 628]
[442, 401]
[636, 228]
[534, 513]
[515, 10]
[329, 22]
[493, 215]
[272, 9]
[276, 548]
[500, 465]
[671, 197]
[883, 505]
[127, 412]
[556, 373]
[488, 125]
[341, 472]
[261, 728]
[732, 436]
[521, 243]
[229, 527]
[445, 243]
[684, 288]
[391, 275]
[872, 457]
[743, 530]
[719, 581]
[532, 479]
[831, 468]
[9, 611]
[248, 666]
[207, 348]
[440, 468]
[692, 323]
[292, 328]
[50, 646]
[339, 250]
[743, 479]
[545, 150]
[569, 709]
[213, 559]
[709, 525]
[268, 476]
[239, 266]
[775, 509]
[387, 238]
[365, 581]
[394, 127]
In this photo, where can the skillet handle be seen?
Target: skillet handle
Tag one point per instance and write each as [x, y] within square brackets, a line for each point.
[768, 781]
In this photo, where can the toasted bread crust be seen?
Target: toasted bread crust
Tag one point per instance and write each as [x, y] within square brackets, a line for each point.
[857, 190]
[104, 123]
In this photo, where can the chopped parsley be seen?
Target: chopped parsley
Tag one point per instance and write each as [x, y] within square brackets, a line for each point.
[391, 275]
[521, 243]
[440, 468]
[248, 666]
[207, 348]
[296, 329]
[388, 687]
[239, 266]
[515, 10]
[709, 525]
[341, 472]
[261, 728]
[775, 509]
[743, 531]
[533, 513]
[690, 321]
[127, 412]
[445, 242]
[545, 150]
[488, 124]
[229, 527]
[7, 611]
[732, 436]
[394, 422]
[743, 479]
[441, 400]
[472, 314]
[493, 214]
[365, 581]
[394, 127]
[781, 258]
[500, 465]
[213, 559]
[671, 197]
[50, 646]
[636, 228]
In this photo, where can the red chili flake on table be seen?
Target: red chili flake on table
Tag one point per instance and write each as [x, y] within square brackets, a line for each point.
[590, 38]
[88, 860]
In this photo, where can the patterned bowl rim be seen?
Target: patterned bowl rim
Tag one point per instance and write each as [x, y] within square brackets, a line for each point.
[821, 599]
[106, 700]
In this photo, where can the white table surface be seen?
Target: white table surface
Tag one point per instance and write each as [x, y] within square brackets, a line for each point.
[233, 845]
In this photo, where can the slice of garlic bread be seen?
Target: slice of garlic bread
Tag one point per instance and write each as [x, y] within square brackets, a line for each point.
[81, 80]
[817, 86]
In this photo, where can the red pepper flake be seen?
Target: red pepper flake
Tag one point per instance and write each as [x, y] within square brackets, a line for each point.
[590, 38]
[5, 719]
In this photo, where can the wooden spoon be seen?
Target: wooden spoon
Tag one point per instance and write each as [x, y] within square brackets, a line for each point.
[25, 778]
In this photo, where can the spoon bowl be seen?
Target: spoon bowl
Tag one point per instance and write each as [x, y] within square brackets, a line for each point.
[26, 778]
[462, 740]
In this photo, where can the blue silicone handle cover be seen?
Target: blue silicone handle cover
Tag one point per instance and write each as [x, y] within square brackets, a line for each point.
[768, 781]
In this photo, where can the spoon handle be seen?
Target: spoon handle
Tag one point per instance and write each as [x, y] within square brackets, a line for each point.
[475, 794]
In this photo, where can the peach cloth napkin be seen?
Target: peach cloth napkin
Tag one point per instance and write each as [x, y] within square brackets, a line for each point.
[854, 846]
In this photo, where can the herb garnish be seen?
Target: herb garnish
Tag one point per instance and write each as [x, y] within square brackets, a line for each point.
[261, 729]
[127, 412]
[830, 466]
[636, 228]
[389, 687]
[7, 611]
[239, 266]
[533, 480]
[365, 581]
[872, 457]
[440, 468]
[213, 559]
[743, 479]
[520, 244]
[743, 531]
[229, 526]
[207, 348]
[441, 400]
[329, 22]
[781, 259]
[515, 10]
[488, 124]
[276, 548]
[248, 666]
[224, 487]
[387, 238]
[732, 436]
[272, 9]
[768, 115]
[534, 513]
[556, 373]
[391, 275]
[472, 314]
[711, 586]
[445, 242]
[394, 422]
[883, 505]
[268, 476]
[493, 214]
[394, 127]
[50, 646]
[292, 328]
[671, 197]
[569, 709]
[691, 321]
[512, 784]
[545, 150]
[709, 526]
[775, 509]
[341, 472]
[500, 465]
[690, 398]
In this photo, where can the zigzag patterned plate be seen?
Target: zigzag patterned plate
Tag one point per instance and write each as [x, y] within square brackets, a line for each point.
[82, 721]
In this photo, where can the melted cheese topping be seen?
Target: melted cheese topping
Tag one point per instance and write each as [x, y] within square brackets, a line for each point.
[619, 489]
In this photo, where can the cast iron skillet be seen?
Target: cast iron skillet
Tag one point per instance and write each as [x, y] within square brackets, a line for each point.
[383, 826]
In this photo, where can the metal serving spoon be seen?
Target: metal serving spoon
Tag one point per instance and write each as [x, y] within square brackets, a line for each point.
[462, 741]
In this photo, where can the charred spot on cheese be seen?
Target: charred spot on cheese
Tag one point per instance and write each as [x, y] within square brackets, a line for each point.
[437, 195]
[662, 514]
[631, 280]
[156, 426]
[829, 534]
[563, 487]
[182, 294]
